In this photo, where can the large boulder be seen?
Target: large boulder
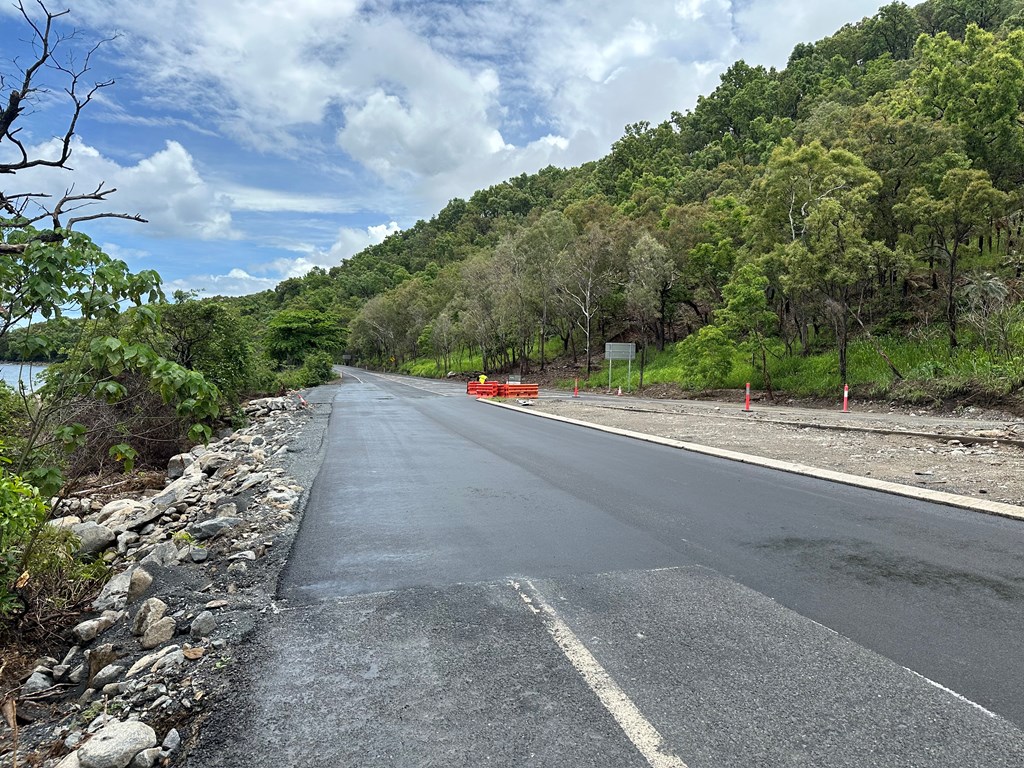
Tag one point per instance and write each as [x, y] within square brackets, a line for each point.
[94, 537]
[116, 744]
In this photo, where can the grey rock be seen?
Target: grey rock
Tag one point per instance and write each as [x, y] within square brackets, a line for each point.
[116, 512]
[148, 661]
[237, 567]
[148, 614]
[163, 554]
[94, 537]
[77, 675]
[210, 528]
[99, 657]
[71, 761]
[198, 554]
[203, 625]
[170, 663]
[172, 740]
[139, 583]
[146, 758]
[159, 633]
[115, 592]
[116, 745]
[87, 630]
[178, 464]
[92, 628]
[38, 682]
[247, 554]
[143, 518]
[107, 675]
[60, 672]
[176, 492]
[68, 521]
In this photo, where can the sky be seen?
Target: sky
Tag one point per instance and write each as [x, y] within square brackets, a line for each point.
[261, 138]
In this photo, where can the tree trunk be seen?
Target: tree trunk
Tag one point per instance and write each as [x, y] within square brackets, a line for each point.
[842, 342]
[588, 347]
[643, 362]
[951, 298]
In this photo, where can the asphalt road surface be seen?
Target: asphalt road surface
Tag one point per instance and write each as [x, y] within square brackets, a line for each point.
[473, 586]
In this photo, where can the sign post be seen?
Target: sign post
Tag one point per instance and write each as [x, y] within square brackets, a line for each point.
[625, 352]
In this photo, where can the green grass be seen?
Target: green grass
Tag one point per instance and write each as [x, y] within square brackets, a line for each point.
[930, 373]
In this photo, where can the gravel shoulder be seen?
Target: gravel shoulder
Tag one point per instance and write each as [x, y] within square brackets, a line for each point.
[978, 455]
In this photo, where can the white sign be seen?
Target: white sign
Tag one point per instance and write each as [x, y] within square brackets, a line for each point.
[620, 351]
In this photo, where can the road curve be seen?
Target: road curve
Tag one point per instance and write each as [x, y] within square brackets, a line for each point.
[474, 586]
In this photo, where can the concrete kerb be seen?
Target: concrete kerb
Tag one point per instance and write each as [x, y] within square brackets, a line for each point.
[938, 497]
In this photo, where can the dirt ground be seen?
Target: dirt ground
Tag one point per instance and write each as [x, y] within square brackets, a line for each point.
[973, 453]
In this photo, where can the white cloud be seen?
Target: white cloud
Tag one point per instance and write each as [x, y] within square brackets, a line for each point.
[771, 28]
[245, 198]
[164, 188]
[421, 113]
[349, 241]
[237, 282]
[390, 107]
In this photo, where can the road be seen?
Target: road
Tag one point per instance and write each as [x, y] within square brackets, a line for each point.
[473, 586]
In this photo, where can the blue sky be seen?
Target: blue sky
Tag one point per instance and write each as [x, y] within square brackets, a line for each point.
[263, 137]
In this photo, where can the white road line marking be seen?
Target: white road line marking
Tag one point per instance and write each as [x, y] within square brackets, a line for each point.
[404, 382]
[637, 728]
[953, 693]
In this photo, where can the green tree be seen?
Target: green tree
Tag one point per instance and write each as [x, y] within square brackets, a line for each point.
[965, 204]
[210, 337]
[747, 318]
[977, 84]
[816, 206]
[292, 334]
[651, 273]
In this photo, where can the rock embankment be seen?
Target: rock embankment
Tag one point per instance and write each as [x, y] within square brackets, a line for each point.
[194, 565]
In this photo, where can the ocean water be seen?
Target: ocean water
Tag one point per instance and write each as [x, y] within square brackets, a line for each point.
[10, 373]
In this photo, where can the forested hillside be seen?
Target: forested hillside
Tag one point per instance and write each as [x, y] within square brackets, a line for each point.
[868, 193]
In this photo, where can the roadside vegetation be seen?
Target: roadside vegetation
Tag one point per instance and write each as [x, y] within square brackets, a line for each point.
[134, 376]
[854, 218]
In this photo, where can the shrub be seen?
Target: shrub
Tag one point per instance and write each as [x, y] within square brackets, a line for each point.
[707, 358]
[318, 368]
[22, 511]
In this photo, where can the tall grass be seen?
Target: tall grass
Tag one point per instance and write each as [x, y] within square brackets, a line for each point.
[926, 364]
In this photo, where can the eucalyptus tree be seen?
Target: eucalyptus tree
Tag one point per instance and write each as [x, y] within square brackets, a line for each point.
[583, 278]
[977, 85]
[651, 272]
[815, 209]
[945, 219]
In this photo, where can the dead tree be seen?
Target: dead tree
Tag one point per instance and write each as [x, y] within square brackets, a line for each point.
[53, 65]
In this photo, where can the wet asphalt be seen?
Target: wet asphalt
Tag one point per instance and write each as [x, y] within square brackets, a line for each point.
[753, 618]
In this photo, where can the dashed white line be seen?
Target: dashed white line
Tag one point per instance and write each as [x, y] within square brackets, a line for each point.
[638, 729]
